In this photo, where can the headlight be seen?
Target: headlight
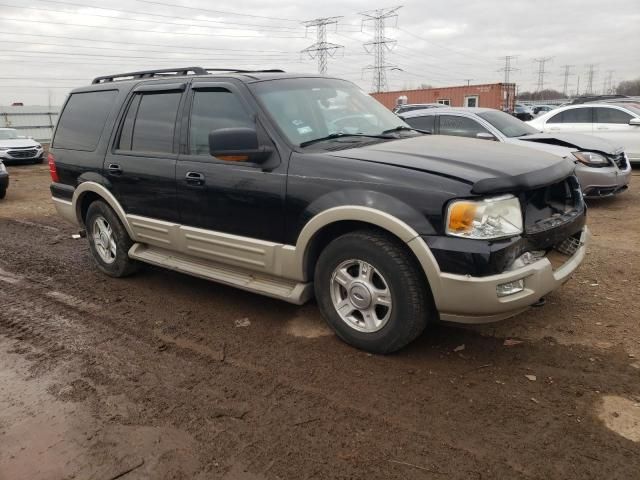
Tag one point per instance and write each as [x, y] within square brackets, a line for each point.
[3, 169]
[39, 147]
[591, 159]
[487, 219]
[4, 149]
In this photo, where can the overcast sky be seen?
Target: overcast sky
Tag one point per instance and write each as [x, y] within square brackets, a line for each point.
[48, 47]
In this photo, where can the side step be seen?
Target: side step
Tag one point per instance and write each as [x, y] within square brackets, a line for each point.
[280, 288]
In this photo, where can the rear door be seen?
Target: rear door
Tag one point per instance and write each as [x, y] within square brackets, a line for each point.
[141, 167]
[573, 120]
[612, 123]
[225, 196]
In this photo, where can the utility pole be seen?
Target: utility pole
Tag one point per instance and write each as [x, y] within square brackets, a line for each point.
[468, 80]
[322, 49]
[541, 71]
[567, 72]
[380, 44]
[507, 69]
[590, 74]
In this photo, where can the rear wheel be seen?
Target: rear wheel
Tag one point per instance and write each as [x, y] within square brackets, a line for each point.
[371, 291]
[108, 241]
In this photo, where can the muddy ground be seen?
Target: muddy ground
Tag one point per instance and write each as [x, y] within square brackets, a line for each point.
[164, 376]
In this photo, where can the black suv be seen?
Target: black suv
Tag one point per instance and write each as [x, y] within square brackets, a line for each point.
[295, 186]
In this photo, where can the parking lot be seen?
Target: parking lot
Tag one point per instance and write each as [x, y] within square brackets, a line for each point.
[161, 375]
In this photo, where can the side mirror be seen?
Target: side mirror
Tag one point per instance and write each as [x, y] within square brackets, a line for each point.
[634, 121]
[237, 144]
[485, 136]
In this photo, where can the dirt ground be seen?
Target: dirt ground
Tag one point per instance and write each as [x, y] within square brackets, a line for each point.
[161, 375]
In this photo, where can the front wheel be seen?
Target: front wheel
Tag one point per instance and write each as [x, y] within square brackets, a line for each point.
[371, 291]
[109, 242]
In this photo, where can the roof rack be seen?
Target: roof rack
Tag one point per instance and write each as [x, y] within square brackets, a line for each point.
[168, 72]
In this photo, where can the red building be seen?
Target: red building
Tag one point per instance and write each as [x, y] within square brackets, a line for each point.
[492, 95]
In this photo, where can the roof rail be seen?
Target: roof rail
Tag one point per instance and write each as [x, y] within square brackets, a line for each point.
[173, 72]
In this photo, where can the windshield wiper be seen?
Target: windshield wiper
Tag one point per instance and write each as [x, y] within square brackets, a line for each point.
[342, 134]
[402, 128]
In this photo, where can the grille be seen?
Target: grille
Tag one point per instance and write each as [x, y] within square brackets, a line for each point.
[620, 160]
[26, 153]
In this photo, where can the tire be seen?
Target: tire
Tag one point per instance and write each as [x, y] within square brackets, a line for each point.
[110, 251]
[3, 193]
[394, 275]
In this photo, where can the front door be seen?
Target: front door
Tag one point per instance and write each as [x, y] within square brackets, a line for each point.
[141, 168]
[224, 196]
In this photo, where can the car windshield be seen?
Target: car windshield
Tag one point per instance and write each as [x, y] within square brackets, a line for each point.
[308, 109]
[8, 134]
[508, 125]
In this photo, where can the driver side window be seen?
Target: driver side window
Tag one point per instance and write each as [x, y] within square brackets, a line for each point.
[212, 110]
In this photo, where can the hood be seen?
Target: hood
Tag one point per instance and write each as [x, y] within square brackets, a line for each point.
[490, 167]
[574, 141]
[18, 143]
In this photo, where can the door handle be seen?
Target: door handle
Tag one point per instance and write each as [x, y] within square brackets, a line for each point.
[194, 178]
[114, 169]
[603, 128]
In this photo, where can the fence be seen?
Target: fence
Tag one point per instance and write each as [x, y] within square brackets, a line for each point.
[31, 121]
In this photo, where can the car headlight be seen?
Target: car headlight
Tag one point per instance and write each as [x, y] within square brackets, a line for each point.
[591, 159]
[4, 149]
[487, 219]
[39, 147]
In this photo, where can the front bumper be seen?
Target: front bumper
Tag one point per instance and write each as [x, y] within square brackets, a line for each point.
[467, 299]
[603, 182]
[8, 158]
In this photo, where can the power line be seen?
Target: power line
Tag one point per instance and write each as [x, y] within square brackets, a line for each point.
[380, 44]
[160, 22]
[322, 49]
[103, 27]
[217, 11]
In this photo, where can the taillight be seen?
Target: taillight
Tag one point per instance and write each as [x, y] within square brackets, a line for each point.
[52, 168]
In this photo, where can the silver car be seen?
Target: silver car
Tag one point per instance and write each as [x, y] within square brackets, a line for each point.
[601, 166]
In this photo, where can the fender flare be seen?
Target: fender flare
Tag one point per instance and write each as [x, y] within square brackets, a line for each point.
[107, 196]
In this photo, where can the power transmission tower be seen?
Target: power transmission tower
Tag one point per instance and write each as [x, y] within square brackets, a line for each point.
[507, 69]
[590, 74]
[567, 72]
[541, 71]
[380, 44]
[607, 83]
[322, 49]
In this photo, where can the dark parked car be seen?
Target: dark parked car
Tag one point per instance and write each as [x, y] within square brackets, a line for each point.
[4, 180]
[296, 186]
[522, 112]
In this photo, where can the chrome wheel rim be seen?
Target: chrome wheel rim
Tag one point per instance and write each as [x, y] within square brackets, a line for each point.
[104, 240]
[361, 296]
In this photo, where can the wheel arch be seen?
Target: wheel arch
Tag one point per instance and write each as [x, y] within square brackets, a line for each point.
[88, 192]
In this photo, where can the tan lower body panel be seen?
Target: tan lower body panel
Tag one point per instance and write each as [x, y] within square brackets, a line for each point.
[287, 290]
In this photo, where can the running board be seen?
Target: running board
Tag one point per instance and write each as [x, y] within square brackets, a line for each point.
[280, 288]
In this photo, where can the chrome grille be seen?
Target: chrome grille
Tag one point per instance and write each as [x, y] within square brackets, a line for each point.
[23, 153]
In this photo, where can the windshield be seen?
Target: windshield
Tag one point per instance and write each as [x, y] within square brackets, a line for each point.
[307, 109]
[8, 134]
[508, 125]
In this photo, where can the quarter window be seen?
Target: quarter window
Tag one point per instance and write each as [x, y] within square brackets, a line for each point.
[460, 126]
[611, 115]
[574, 115]
[83, 119]
[213, 110]
[149, 124]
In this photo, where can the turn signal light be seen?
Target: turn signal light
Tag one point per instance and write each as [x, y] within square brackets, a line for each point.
[461, 216]
[52, 168]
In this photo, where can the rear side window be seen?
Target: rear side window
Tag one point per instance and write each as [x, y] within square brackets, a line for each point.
[83, 119]
[149, 123]
[575, 115]
[422, 123]
[460, 126]
[212, 110]
[611, 115]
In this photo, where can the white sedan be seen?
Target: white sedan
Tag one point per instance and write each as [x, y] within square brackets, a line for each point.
[617, 122]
